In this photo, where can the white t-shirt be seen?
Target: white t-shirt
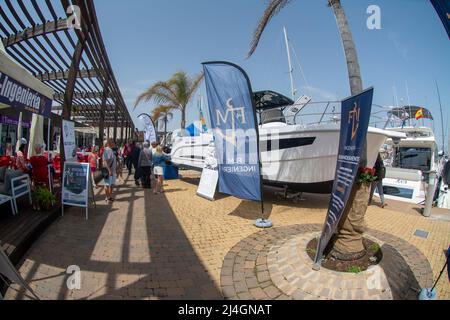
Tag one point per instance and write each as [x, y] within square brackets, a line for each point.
[110, 158]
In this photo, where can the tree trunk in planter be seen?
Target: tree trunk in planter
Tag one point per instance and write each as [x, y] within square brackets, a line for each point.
[349, 240]
[349, 245]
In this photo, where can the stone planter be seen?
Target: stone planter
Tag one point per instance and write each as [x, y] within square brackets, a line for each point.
[349, 240]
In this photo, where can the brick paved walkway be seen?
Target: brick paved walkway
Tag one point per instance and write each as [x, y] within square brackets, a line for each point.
[274, 264]
[174, 245]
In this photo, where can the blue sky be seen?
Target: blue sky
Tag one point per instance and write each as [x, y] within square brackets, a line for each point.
[149, 40]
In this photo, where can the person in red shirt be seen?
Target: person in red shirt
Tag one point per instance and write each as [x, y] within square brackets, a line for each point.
[102, 149]
[93, 158]
[127, 153]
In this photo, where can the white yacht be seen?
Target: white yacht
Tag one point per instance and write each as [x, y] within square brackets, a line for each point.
[409, 160]
[303, 157]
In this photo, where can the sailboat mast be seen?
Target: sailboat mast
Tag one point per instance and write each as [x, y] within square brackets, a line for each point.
[291, 70]
[442, 117]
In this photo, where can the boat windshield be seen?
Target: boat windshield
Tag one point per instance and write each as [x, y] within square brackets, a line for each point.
[413, 158]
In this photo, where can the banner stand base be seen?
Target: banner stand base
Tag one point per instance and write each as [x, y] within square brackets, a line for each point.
[427, 294]
[263, 223]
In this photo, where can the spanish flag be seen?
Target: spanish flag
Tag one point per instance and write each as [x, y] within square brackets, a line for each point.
[419, 113]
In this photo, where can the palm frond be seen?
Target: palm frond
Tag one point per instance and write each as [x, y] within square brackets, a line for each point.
[272, 10]
[173, 94]
[162, 111]
[195, 83]
[161, 93]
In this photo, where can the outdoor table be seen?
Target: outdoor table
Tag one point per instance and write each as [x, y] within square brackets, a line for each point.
[4, 199]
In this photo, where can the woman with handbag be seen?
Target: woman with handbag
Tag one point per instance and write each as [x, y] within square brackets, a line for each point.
[109, 170]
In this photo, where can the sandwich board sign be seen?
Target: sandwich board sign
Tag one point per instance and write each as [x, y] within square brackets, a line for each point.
[8, 270]
[77, 187]
[208, 184]
[210, 175]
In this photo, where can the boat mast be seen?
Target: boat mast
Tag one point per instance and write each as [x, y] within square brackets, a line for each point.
[442, 117]
[291, 70]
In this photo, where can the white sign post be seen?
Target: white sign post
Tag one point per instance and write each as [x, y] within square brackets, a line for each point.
[77, 186]
[68, 132]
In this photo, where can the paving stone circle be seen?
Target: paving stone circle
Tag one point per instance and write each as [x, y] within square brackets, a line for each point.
[273, 264]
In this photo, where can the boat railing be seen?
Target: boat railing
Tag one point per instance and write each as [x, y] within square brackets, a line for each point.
[326, 112]
[308, 114]
[321, 112]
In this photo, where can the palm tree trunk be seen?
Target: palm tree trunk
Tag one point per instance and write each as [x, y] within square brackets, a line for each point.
[165, 126]
[354, 73]
[183, 117]
[348, 243]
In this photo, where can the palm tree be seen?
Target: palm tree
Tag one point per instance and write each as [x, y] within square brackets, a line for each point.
[163, 113]
[174, 93]
[354, 74]
[350, 234]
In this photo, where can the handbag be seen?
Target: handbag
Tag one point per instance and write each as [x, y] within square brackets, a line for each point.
[105, 173]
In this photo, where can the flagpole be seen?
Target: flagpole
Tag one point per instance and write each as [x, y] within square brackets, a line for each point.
[442, 117]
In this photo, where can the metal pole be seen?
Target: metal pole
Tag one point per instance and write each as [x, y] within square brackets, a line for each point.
[48, 134]
[290, 63]
[442, 117]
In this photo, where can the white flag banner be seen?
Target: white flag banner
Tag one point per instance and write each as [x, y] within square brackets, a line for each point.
[70, 149]
[149, 128]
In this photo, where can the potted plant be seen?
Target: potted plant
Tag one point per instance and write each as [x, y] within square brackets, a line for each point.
[367, 176]
[43, 199]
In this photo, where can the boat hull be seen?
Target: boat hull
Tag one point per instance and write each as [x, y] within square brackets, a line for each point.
[301, 159]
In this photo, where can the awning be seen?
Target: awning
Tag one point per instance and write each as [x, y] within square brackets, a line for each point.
[265, 100]
[21, 90]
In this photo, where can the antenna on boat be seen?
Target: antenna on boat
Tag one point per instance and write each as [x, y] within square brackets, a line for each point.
[291, 69]
[442, 117]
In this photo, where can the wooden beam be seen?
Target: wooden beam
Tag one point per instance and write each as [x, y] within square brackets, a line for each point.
[79, 95]
[115, 123]
[35, 31]
[102, 112]
[69, 93]
[64, 75]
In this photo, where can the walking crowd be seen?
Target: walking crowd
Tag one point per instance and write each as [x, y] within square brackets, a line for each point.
[146, 159]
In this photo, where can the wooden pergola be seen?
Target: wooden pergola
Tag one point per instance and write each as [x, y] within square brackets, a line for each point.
[60, 43]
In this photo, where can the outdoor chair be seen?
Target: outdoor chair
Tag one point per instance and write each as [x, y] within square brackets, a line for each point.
[6, 161]
[57, 168]
[14, 184]
[41, 172]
